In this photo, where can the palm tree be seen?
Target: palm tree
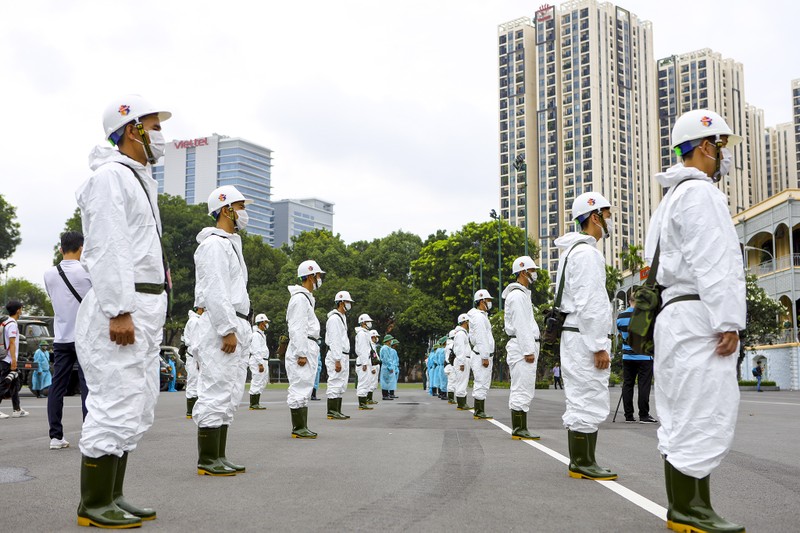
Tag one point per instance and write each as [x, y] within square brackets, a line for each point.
[632, 258]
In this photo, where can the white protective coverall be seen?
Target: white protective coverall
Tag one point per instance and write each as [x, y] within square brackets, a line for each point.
[463, 352]
[523, 334]
[338, 350]
[480, 336]
[375, 370]
[586, 301]
[303, 334]
[192, 362]
[448, 368]
[221, 288]
[259, 355]
[696, 392]
[363, 350]
[121, 248]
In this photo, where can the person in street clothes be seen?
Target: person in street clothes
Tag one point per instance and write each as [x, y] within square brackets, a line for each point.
[9, 377]
[259, 361]
[119, 325]
[449, 373]
[557, 382]
[316, 379]
[585, 341]
[337, 361]
[190, 340]
[224, 331]
[634, 367]
[364, 349]
[482, 341]
[461, 364]
[67, 284]
[302, 354]
[42, 378]
[522, 349]
[696, 333]
[758, 373]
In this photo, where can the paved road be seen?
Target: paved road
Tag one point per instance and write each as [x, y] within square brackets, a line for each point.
[414, 464]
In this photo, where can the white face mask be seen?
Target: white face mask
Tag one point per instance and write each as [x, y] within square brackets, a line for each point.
[609, 228]
[532, 277]
[724, 164]
[369, 325]
[488, 304]
[317, 282]
[157, 144]
[347, 306]
[242, 219]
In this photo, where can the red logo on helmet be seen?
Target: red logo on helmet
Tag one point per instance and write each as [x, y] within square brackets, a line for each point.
[124, 110]
[591, 201]
[705, 121]
[310, 268]
[222, 197]
[522, 263]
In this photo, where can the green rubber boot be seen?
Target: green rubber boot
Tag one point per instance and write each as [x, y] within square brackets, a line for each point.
[461, 404]
[519, 421]
[363, 405]
[690, 508]
[582, 463]
[190, 406]
[97, 507]
[223, 444]
[299, 429]
[339, 408]
[333, 412]
[255, 402]
[479, 413]
[451, 397]
[370, 401]
[145, 513]
[208, 461]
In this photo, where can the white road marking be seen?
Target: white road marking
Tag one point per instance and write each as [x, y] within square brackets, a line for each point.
[770, 403]
[633, 497]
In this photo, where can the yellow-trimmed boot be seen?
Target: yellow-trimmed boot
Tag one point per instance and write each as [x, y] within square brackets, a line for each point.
[208, 462]
[519, 423]
[97, 507]
[582, 463]
[690, 508]
[145, 513]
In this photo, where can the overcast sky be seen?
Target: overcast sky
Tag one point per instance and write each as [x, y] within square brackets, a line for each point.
[386, 108]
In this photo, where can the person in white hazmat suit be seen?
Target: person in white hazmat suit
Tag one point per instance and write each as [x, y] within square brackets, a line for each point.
[461, 365]
[224, 330]
[704, 307]
[375, 371]
[449, 368]
[259, 361]
[364, 351]
[302, 353]
[585, 341]
[522, 349]
[337, 360]
[482, 341]
[119, 325]
[192, 363]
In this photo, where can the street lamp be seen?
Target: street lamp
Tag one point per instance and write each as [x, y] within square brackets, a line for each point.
[522, 168]
[772, 257]
[472, 266]
[479, 244]
[495, 216]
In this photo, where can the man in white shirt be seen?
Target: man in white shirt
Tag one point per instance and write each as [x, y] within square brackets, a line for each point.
[66, 284]
[8, 359]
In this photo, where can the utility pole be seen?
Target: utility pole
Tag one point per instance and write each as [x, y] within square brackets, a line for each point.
[495, 216]
[522, 168]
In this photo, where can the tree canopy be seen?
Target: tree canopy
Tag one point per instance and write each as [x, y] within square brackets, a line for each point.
[10, 236]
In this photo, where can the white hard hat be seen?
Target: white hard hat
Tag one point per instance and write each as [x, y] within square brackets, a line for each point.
[364, 318]
[225, 195]
[261, 317]
[308, 267]
[343, 296]
[482, 294]
[463, 317]
[128, 108]
[373, 333]
[588, 202]
[699, 124]
[523, 263]
[451, 334]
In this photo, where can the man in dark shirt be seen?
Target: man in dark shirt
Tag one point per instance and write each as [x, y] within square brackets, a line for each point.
[634, 366]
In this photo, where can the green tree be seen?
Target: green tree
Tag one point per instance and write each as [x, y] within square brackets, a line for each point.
[632, 258]
[390, 256]
[613, 281]
[763, 319]
[33, 297]
[10, 236]
[73, 223]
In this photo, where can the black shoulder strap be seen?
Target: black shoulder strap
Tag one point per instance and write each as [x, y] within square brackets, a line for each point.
[651, 275]
[560, 292]
[69, 285]
[238, 257]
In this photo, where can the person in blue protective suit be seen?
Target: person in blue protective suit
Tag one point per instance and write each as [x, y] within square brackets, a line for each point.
[433, 379]
[440, 359]
[394, 376]
[386, 367]
[173, 372]
[42, 378]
